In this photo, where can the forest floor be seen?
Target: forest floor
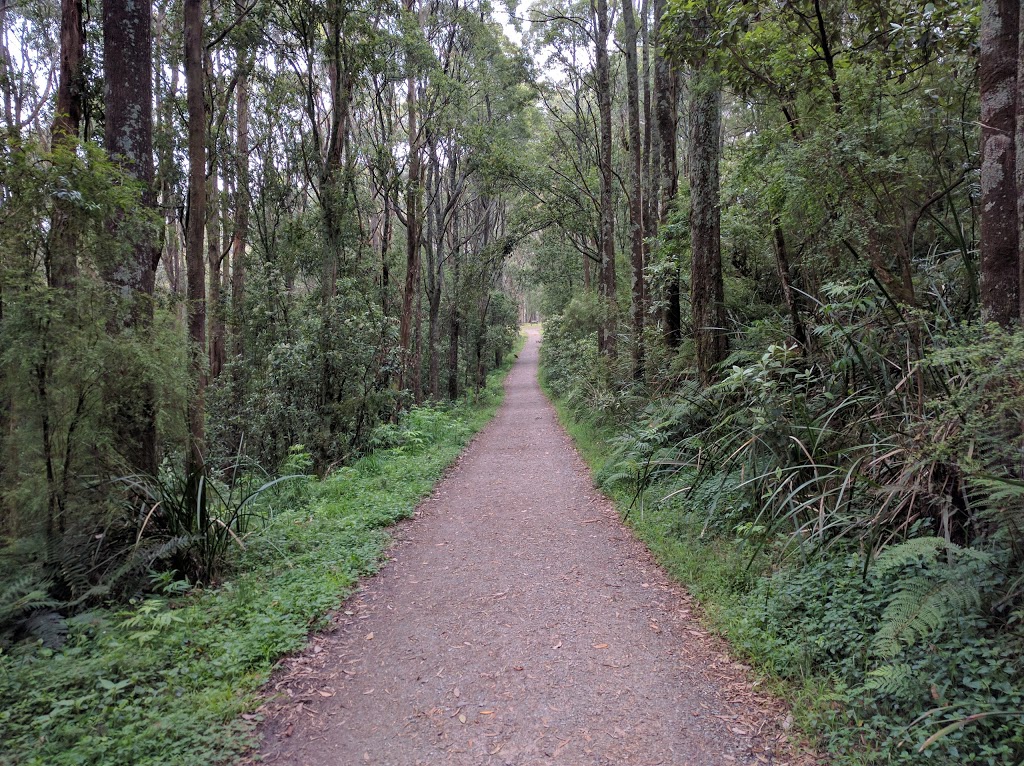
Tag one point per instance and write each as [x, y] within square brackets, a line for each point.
[519, 622]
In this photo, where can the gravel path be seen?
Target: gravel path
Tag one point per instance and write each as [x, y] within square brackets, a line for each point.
[519, 623]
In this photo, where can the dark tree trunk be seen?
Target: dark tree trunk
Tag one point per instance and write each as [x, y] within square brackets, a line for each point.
[1000, 253]
[606, 277]
[128, 136]
[666, 97]
[413, 225]
[242, 196]
[787, 277]
[194, 256]
[706, 289]
[67, 120]
[636, 197]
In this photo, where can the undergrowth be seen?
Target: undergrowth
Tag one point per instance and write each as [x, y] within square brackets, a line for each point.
[860, 547]
[167, 679]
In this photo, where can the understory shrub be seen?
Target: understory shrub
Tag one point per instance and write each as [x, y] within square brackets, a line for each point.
[852, 513]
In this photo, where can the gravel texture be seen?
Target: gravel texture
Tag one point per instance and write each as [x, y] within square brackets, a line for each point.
[519, 622]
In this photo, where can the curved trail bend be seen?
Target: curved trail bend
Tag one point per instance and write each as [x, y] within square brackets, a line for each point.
[518, 623]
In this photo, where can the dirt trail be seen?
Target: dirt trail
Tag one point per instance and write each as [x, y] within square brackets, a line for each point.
[519, 623]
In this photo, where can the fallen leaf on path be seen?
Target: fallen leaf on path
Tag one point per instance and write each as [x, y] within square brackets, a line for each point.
[600, 646]
[369, 636]
[486, 712]
[456, 692]
[462, 717]
[326, 694]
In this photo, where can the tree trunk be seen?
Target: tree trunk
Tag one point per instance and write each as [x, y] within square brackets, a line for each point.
[67, 120]
[194, 260]
[128, 137]
[242, 198]
[787, 277]
[215, 301]
[666, 96]
[413, 225]
[606, 281]
[636, 197]
[706, 289]
[1000, 256]
[67, 116]
[332, 186]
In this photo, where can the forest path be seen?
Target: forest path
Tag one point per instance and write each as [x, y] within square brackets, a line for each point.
[518, 622]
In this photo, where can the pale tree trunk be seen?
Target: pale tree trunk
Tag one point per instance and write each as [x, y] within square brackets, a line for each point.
[606, 281]
[194, 260]
[1000, 256]
[706, 289]
[128, 136]
[636, 198]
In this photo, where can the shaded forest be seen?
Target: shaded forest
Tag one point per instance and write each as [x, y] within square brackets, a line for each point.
[776, 247]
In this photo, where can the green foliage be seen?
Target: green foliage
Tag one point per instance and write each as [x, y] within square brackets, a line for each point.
[165, 679]
[849, 518]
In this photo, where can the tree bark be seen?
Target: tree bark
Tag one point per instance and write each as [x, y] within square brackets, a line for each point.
[67, 120]
[413, 226]
[636, 197]
[1000, 255]
[666, 97]
[706, 289]
[194, 257]
[606, 278]
[128, 137]
[242, 197]
[67, 117]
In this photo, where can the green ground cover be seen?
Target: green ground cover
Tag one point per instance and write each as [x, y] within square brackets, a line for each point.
[167, 678]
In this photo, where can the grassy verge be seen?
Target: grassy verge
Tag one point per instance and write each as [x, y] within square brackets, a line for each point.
[167, 680]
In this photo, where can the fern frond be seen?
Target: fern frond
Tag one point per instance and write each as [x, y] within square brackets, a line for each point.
[22, 596]
[898, 680]
[922, 607]
[912, 552]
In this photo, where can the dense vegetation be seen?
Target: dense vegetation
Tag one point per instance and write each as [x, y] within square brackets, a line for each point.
[830, 455]
[238, 241]
[230, 254]
[777, 245]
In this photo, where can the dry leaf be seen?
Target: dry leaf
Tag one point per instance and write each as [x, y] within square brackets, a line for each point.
[456, 692]
[462, 717]
[486, 712]
[369, 636]
[326, 694]
[600, 646]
